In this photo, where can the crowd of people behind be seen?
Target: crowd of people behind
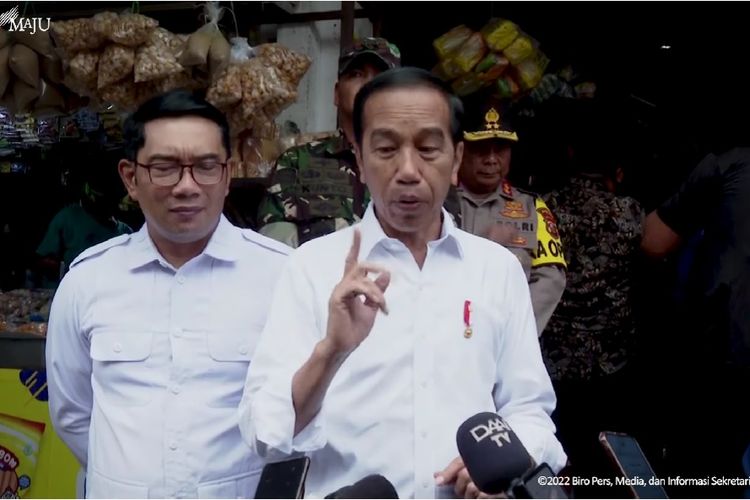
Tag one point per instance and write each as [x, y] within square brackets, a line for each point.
[627, 344]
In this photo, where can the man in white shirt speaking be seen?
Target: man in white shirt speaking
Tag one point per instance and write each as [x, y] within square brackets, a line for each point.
[151, 334]
[384, 337]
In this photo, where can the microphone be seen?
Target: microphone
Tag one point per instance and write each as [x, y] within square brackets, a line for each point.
[492, 453]
[374, 486]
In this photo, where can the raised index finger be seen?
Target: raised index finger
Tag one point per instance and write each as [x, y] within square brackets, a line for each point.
[353, 256]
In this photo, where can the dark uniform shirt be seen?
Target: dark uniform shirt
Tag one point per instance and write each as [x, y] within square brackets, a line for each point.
[716, 198]
[591, 331]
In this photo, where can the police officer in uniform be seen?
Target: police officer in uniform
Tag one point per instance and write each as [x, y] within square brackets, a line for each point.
[490, 206]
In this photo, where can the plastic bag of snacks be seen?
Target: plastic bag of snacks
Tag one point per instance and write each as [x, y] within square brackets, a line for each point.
[467, 84]
[76, 35]
[83, 69]
[124, 95]
[226, 90]
[292, 65]
[531, 70]
[491, 67]
[522, 48]
[499, 33]
[19, 452]
[103, 24]
[24, 63]
[132, 30]
[51, 69]
[507, 87]
[449, 69]
[448, 43]
[40, 42]
[155, 61]
[218, 55]
[115, 63]
[470, 53]
[261, 85]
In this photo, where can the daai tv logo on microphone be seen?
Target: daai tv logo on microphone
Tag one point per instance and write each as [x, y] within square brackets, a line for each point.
[495, 429]
[13, 21]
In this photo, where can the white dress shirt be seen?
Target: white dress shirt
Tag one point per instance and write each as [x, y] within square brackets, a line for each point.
[394, 406]
[146, 363]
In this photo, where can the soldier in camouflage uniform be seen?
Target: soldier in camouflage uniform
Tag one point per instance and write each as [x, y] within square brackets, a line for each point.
[487, 205]
[316, 188]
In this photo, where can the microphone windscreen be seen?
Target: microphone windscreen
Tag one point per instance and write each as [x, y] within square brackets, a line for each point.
[374, 486]
[492, 453]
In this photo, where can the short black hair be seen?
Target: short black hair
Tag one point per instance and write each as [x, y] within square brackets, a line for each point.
[407, 77]
[173, 104]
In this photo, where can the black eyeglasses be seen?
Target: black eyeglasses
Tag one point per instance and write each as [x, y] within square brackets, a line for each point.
[169, 173]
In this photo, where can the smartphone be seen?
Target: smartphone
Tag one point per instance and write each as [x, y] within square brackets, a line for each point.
[284, 479]
[627, 455]
[530, 486]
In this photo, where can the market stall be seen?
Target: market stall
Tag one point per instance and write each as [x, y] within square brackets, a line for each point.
[69, 88]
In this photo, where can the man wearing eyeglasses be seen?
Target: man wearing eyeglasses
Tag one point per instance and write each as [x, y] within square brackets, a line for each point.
[316, 188]
[151, 334]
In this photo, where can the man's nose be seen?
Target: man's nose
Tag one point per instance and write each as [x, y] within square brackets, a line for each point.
[408, 169]
[187, 185]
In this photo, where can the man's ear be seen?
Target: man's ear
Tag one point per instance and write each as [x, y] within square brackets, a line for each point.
[360, 163]
[127, 169]
[457, 159]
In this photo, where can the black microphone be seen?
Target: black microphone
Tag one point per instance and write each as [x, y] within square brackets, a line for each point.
[492, 453]
[375, 486]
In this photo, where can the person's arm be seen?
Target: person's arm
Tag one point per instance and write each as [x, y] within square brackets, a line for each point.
[295, 361]
[547, 276]
[349, 323]
[685, 212]
[659, 240]
[69, 368]
[546, 284]
[523, 392]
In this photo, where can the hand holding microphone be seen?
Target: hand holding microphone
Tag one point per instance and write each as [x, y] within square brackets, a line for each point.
[493, 463]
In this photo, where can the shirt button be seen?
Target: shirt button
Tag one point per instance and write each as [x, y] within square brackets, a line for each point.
[175, 389]
[423, 434]
[173, 445]
[117, 347]
[424, 384]
[243, 349]
[180, 279]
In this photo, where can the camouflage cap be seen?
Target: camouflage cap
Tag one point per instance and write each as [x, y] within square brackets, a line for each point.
[379, 48]
[488, 120]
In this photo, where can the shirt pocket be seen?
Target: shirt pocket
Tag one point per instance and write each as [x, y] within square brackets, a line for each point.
[123, 368]
[229, 355]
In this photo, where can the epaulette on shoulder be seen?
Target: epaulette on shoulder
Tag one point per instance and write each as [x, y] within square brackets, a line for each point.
[266, 242]
[100, 248]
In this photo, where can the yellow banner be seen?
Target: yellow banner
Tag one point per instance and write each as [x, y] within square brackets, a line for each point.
[549, 247]
[37, 464]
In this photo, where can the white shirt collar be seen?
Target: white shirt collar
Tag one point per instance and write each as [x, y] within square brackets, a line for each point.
[222, 245]
[373, 235]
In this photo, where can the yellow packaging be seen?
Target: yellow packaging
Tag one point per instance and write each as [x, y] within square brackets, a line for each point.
[470, 53]
[446, 44]
[520, 49]
[531, 70]
[19, 451]
[499, 34]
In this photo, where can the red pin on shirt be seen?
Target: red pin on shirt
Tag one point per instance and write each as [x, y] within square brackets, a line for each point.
[467, 319]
